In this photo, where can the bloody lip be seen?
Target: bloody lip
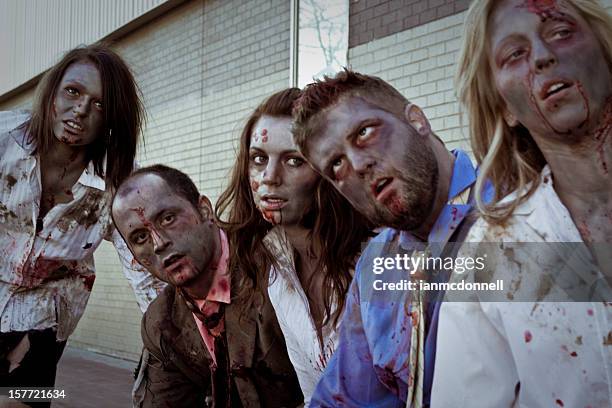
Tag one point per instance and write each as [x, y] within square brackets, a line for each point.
[272, 203]
[380, 194]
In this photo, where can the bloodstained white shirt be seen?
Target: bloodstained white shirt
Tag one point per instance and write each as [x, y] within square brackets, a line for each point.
[46, 277]
[542, 353]
[307, 354]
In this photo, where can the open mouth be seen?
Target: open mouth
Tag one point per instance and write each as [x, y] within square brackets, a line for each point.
[553, 87]
[379, 186]
[272, 202]
[172, 260]
[73, 126]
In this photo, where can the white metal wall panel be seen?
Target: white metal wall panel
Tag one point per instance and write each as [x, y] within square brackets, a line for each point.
[35, 33]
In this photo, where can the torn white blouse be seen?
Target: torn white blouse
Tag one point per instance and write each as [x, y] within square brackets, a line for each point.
[537, 353]
[46, 276]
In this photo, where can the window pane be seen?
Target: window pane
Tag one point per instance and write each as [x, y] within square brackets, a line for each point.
[322, 38]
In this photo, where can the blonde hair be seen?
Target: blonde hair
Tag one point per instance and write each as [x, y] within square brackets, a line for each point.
[508, 157]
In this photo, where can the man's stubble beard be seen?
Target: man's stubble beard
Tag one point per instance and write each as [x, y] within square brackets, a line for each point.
[417, 193]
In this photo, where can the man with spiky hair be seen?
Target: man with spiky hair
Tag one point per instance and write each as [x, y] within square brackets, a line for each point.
[380, 152]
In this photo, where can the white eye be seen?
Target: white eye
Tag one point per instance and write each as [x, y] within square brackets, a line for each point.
[71, 91]
[364, 134]
[167, 219]
[259, 159]
[561, 34]
[336, 168]
[140, 237]
[295, 162]
[98, 105]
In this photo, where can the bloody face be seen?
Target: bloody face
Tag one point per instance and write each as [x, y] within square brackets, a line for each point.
[282, 182]
[548, 67]
[165, 232]
[378, 162]
[78, 115]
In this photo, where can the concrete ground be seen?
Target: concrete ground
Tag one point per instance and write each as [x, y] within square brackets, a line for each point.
[93, 380]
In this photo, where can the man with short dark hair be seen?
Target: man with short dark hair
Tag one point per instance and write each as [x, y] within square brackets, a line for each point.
[200, 340]
[379, 151]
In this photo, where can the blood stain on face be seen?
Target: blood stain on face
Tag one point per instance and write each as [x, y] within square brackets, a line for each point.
[264, 136]
[140, 212]
[559, 403]
[271, 217]
[545, 9]
[254, 186]
[528, 336]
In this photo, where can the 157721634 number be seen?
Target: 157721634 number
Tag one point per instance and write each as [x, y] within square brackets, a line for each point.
[26, 394]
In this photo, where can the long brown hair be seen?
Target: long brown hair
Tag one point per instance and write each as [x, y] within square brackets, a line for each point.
[509, 157]
[337, 231]
[123, 111]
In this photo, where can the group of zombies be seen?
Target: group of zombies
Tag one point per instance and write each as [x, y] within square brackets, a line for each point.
[266, 297]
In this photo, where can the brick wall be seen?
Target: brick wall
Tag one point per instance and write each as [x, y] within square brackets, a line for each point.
[373, 19]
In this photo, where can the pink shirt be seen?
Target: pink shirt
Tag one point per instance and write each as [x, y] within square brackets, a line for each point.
[219, 292]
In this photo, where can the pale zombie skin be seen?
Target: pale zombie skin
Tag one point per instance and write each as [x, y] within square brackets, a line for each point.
[551, 72]
[77, 120]
[383, 164]
[77, 108]
[282, 183]
[176, 242]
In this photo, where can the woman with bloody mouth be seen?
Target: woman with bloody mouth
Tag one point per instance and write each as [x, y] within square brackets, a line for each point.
[295, 238]
[59, 165]
[536, 80]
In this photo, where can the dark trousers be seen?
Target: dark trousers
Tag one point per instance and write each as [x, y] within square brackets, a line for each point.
[39, 365]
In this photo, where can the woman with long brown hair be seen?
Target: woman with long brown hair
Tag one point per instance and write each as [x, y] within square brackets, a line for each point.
[59, 165]
[292, 235]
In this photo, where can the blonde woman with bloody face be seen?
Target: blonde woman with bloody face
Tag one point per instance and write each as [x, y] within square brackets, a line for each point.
[535, 78]
[303, 237]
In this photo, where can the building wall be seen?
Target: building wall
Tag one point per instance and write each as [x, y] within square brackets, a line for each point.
[373, 19]
[38, 32]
